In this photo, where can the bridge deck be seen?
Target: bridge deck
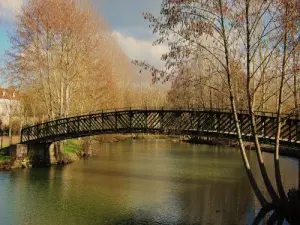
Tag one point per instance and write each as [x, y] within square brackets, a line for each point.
[171, 121]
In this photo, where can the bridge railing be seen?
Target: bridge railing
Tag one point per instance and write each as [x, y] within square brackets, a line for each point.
[72, 124]
[240, 111]
[270, 114]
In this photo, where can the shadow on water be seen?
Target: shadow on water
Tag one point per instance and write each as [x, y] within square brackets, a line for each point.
[284, 213]
[233, 215]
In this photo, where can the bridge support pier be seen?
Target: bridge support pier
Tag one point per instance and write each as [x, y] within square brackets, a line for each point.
[40, 155]
[18, 154]
[18, 151]
[36, 155]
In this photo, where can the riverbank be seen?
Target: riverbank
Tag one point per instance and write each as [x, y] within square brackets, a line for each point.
[75, 149]
[106, 138]
[5, 162]
[287, 151]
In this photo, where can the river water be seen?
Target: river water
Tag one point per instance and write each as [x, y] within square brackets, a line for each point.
[139, 182]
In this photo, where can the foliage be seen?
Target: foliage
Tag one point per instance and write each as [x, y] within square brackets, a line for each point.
[64, 59]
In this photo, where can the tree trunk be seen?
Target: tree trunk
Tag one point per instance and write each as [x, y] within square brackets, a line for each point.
[262, 70]
[299, 175]
[295, 71]
[251, 100]
[295, 88]
[10, 129]
[61, 98]
[10, 135]
[20, 129]
[251, 178]
[67, 100]
[279, 122]
[253, 183]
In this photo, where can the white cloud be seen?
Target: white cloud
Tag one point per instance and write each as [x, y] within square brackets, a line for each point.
[9, 8]
[141, 49]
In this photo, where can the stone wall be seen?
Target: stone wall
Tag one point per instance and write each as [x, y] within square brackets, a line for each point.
[38, 155]
[19, 156]
[43, 154]
[18, 151]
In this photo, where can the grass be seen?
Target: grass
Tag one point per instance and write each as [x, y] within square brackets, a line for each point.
[72, 146]
[5, 145]
[4, 158]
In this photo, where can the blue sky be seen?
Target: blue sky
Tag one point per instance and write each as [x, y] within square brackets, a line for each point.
[124, 17]
[4, 41]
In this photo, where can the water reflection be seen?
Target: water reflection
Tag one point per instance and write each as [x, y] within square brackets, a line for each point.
[137, 182]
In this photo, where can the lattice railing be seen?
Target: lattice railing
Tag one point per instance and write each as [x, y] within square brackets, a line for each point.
[175, 121]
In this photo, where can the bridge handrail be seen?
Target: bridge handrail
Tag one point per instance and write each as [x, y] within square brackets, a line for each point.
[200, 120]
[96, 112]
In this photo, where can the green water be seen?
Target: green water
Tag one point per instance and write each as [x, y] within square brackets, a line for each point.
[138, 182]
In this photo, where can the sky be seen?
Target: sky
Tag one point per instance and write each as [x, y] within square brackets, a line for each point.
[124, 17]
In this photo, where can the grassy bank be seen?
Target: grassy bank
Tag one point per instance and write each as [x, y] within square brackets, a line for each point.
[111, 138]
[72, 146]
[5, 162]
[73, 149]
[4, 158]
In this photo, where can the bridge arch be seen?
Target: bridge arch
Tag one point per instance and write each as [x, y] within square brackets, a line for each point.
[202, 122]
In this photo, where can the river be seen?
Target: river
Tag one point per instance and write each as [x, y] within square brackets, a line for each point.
[139, 182]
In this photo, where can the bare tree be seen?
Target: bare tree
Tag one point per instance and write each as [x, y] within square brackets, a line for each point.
[249, 33]
[66, 53]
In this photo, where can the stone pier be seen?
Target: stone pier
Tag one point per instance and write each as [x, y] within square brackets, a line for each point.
[18, 151]
[38, 155]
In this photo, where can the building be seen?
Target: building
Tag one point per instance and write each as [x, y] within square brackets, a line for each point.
[9, 104]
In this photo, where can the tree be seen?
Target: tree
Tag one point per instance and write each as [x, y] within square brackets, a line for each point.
[56, 46]
[64, 56]
[246, 37]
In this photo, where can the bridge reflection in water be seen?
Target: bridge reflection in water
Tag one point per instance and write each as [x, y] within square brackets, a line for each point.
[202, 122]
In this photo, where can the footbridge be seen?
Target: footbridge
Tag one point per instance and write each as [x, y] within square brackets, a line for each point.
[200, 122]
[36, 141]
